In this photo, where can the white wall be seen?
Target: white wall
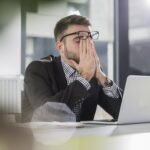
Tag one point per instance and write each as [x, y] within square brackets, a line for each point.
[42, 23]
[102, 17]
[10, 38]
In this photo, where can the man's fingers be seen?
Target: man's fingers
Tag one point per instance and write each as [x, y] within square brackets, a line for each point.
[92, 47]
[81, 48]
[84, 47]
[94, 51]
[88, 47]
[73, 64]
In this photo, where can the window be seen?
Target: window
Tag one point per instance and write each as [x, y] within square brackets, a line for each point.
[139, 37]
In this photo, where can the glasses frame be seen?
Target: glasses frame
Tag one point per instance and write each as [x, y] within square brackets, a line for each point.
[89, 34]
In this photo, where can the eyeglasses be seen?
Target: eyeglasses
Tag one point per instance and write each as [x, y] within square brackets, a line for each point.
[83, 35]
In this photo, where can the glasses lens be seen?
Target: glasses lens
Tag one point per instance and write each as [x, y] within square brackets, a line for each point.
[83, 35]
[95, 35]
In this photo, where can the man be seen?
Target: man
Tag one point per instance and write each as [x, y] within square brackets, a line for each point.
[74, 78]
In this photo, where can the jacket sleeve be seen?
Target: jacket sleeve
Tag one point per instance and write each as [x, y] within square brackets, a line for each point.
[41, 87]
[109, 104]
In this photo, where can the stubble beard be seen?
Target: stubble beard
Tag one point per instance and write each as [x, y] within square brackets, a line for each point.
[71, 55]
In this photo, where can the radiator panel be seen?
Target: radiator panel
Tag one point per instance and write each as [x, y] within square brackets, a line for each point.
[10, 94]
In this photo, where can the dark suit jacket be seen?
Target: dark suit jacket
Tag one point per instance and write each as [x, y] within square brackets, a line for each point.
[45, 82]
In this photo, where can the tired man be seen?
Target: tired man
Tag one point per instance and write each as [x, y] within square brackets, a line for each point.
[74, 79]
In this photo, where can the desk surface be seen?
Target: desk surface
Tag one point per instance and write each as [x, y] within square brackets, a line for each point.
[93, 137]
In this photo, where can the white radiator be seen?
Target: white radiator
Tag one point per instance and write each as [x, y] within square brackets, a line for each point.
[10, 94]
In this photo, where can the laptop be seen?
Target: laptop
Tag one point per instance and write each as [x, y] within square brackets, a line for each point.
[135, 107]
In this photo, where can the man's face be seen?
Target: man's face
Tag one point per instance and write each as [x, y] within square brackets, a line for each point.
[71, 43]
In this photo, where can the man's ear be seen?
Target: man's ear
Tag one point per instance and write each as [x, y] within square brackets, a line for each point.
[59, 46]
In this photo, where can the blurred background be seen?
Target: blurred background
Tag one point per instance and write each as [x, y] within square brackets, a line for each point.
[26, 34]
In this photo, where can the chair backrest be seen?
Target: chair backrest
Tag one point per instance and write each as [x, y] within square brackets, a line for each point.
[10, 94]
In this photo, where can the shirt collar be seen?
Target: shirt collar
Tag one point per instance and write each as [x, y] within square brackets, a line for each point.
[69, 71]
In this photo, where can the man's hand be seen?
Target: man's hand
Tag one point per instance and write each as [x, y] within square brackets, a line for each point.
[87, 64]
[99, 74]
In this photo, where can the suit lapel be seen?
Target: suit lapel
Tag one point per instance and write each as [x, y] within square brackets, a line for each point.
[59, 74]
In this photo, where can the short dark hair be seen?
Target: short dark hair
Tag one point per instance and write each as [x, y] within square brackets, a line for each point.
[65, 22]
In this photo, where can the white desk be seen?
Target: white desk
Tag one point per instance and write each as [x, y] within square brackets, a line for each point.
[95, 137]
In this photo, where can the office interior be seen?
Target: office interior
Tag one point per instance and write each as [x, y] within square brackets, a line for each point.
[26, 34]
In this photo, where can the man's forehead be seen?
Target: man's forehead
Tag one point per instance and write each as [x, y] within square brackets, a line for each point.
[76, 28]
